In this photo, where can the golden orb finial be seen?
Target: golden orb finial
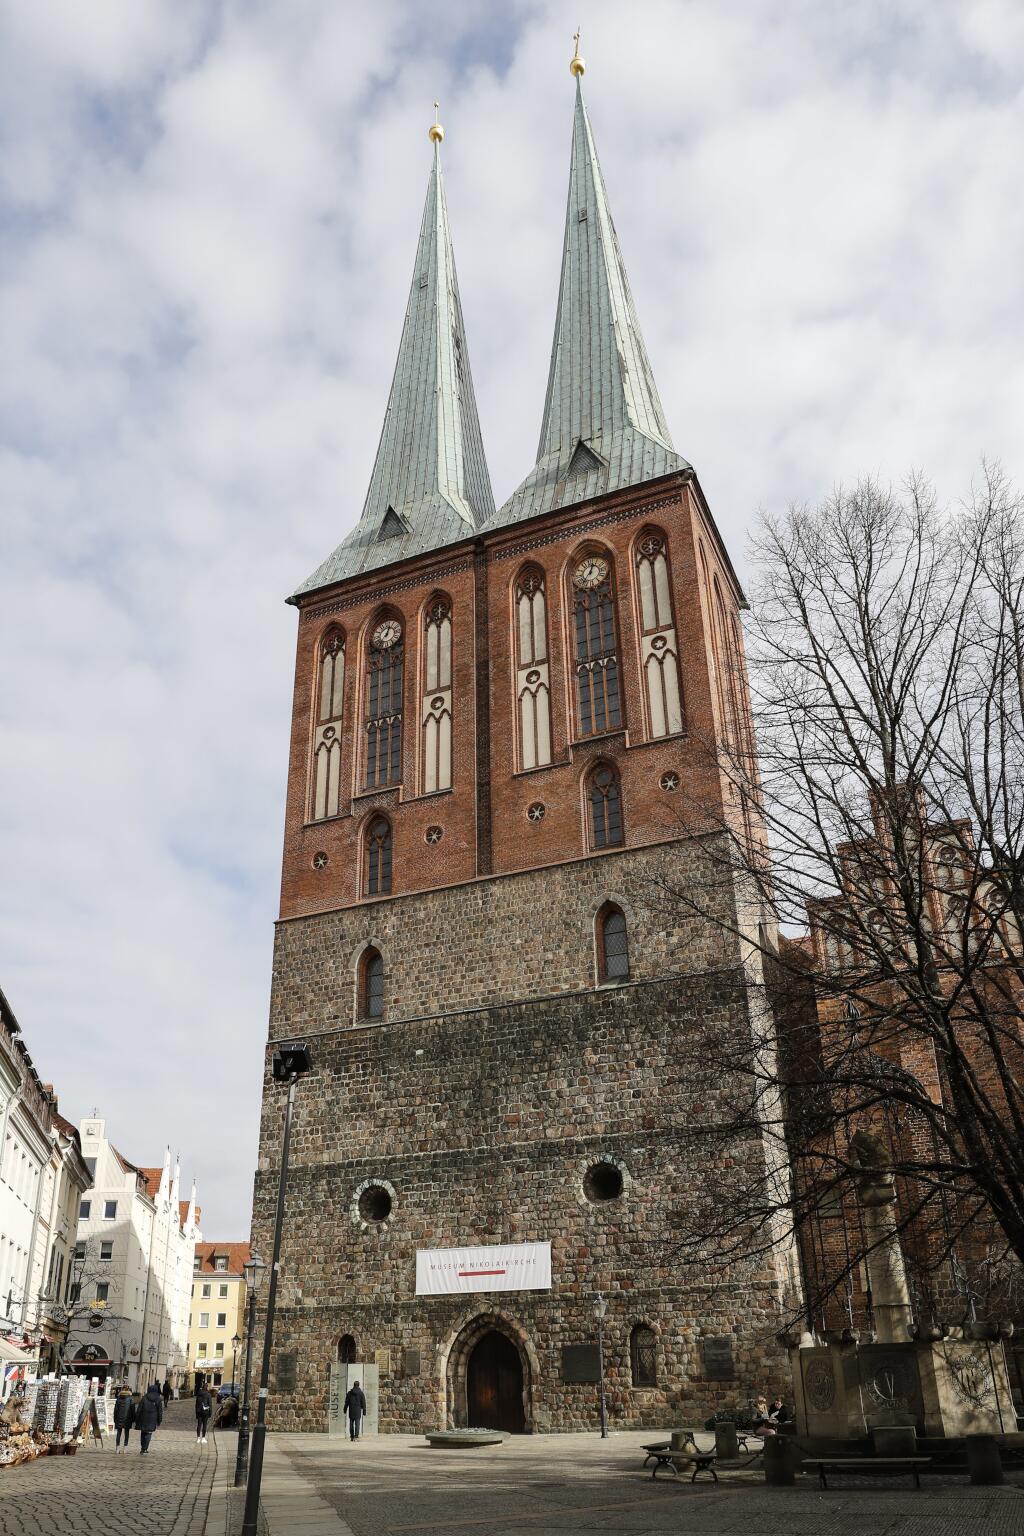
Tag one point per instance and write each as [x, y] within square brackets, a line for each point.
[577, 65]
[435, 133]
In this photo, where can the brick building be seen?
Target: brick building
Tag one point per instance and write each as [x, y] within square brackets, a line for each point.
[505, 725]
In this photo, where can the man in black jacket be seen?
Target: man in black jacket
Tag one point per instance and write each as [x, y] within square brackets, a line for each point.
[355, 1407]
[149, 1415]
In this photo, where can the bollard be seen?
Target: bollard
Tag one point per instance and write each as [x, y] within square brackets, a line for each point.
[726, 1445]
[779, 1459]
[680, 1441]
[984, 1462]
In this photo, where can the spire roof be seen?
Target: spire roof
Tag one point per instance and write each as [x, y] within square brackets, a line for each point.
[604, 427]
[430, 484]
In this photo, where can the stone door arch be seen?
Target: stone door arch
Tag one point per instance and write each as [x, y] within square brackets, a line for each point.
[473, 1333]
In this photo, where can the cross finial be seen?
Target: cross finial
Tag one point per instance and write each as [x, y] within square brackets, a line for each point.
[576, 63]
[435, 133]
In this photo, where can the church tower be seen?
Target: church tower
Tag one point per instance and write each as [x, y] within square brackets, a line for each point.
[500, 747]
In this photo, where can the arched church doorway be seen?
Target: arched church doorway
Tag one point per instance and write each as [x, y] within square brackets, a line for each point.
[494, 1384]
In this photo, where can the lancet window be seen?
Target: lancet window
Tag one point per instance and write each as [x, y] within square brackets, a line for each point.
[604, 806]
[384, 670]
[436, 714]
[643, 1356]
[612, 944]
[660, 652]
[598, 702]
[378, 857]
[371, 989]
[330, 693]
[533, 683]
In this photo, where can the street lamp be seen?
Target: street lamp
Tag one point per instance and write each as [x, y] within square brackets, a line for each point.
[289, 1064]
[600, 1312]
[254, 1269]
[236, 1339]
[151, 1352]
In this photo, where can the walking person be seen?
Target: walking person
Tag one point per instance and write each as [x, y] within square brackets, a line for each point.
[204, 1408]
[124, 1418]
[167, 1391]
[355, 1407]
[149, 1416]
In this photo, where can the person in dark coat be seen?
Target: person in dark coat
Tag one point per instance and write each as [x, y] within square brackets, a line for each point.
[124, 1418]
[355, 1407]
[204, 1407]
[167, 1392]
[149, 1415]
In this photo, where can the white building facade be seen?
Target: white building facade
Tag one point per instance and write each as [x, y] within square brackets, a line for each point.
[135, 1253]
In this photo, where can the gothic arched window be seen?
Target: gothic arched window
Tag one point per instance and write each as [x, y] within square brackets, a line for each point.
[598, 705]
[327, 734]
[643, 1356]
[612, 944]
[371, 985]
[378, 857]
[604, 804]
[658, 635]
[384, 704]
[437, 696]
[533, 687]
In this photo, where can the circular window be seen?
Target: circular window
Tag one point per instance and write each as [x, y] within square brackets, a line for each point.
[536, 811]
[433, 834]
[602, 1182]
[375, 1203]
[669, 781]
[320, 860]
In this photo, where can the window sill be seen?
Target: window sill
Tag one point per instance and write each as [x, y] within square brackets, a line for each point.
[380, 789]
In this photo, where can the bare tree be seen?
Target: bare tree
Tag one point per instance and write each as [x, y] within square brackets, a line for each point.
[886, 664]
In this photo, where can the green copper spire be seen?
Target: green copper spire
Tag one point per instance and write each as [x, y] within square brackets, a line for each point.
[430, 485]
[604, 427]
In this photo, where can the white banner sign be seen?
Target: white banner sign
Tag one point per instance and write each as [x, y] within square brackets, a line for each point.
[510, 1267]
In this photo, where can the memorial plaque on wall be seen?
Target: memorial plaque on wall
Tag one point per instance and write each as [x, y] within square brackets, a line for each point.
[285, 1372]
[412, 1362]
[718, 1362]
[382, 1360]
[580, 1362]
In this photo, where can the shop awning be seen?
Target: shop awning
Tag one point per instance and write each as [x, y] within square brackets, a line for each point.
[12, 1355]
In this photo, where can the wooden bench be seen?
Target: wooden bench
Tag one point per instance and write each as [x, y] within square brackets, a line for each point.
[700, 1461]
[892, 1464]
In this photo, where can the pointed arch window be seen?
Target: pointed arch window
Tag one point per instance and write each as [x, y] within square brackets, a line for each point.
[643, 1356]
[347, 1349]
[612, 944]
[371, 985]
[326, 791]
[533, 684]
[378, 857]
[604, 806]
[436, 714]
[384, 674]
[598, 701]
[660, 652]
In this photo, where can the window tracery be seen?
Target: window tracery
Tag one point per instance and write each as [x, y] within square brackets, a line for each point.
[371, 985]
[533, 685]
[604, 803]
[598, 703]
[643, 1356]
[327, 733]
[384, 674]
[436, 714]
[659, 648]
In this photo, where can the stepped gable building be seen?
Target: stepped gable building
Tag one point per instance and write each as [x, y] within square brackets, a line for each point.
[500, 741]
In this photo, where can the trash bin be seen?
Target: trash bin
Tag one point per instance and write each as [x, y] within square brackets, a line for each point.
[779, 1461]
[984, 1463]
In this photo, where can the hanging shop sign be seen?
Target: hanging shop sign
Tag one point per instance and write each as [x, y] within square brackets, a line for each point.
[467, 1271]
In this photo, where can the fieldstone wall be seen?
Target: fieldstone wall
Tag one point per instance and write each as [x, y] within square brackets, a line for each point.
[481, 1124]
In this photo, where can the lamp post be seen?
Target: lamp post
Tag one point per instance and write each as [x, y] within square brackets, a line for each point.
[600, 1311]
[290, 1063]
[236, 1339]
[254, 1269]
[151, 1352]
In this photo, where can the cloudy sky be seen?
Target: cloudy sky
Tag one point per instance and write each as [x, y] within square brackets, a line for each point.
[210, 214]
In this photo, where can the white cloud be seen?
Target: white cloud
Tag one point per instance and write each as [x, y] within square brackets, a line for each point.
[210, 217]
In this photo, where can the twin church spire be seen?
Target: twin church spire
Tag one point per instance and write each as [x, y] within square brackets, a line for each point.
[603, 428]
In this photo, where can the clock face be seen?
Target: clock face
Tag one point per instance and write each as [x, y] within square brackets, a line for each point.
[591, 571]
[387, 634]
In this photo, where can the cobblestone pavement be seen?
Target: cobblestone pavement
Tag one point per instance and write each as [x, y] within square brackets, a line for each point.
[553, 1484]
[163, 1494]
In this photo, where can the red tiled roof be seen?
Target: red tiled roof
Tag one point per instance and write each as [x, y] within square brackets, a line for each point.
[64, 1126]
[152, 1177]
[236, 1254]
